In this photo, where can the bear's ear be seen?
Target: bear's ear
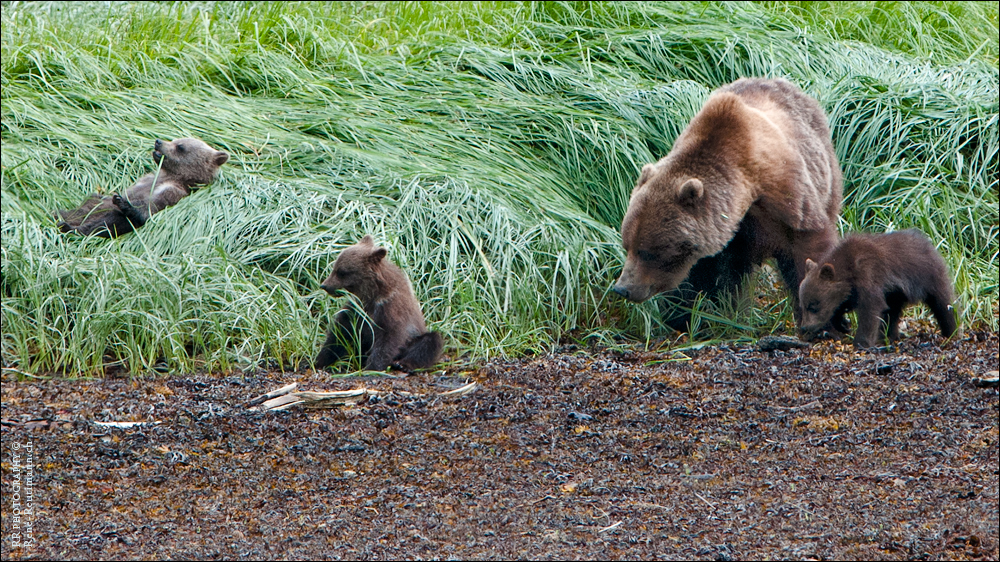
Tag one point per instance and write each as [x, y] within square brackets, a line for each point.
[810, 265]
[647, 171]
[826, 272]
[690, 192]
[220, 158]
[367, 240]
[377, 254]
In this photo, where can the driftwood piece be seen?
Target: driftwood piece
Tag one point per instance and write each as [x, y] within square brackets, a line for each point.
[280, 403]
[125, 425]
[991, 380]
[283, 398]
[460, 391]
[331, 399]
[273, 394]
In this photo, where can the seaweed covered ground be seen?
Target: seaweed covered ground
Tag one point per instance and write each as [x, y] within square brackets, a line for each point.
[719, 453]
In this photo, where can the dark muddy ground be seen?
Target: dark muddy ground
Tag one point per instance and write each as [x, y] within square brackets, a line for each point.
[735, 453]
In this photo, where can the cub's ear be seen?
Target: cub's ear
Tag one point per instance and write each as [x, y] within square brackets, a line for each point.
[810, 265]
[690, 192]
[220, 158]
[367, 240]
[377, 254]
[826, 272]
[647, 171]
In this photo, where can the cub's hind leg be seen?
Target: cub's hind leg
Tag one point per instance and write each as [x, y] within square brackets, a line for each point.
[422, 352]
[944, 313]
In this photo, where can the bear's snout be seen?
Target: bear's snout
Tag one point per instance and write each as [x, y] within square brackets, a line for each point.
[157, 151]
[634, 284]
[634, 292]
[621, 291]
[811, 329]
[330, 289]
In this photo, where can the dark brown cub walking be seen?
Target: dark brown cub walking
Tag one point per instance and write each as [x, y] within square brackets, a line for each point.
[878, 275]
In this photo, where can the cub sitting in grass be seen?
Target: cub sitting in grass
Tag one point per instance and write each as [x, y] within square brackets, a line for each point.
[878, 275]
[397, 334]
[184, 163]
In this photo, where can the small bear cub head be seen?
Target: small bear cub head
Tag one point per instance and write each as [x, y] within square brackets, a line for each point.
[191, 161]
[358, 270]
[820, 295]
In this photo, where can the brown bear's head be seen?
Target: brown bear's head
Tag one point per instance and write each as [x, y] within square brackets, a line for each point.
[820, 295]
[660, 235]
[689, 204]
[191, 161]
[358, 270]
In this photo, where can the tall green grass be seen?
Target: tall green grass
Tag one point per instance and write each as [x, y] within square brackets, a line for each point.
[491, 146]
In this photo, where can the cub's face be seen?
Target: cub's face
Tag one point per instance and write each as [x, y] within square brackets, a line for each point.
[660, 234]
[820, 295]
[357, 270]
[191, 160]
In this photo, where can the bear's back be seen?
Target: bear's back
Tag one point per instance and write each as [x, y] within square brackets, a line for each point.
[803, 121]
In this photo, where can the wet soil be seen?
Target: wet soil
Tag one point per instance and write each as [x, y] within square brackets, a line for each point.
[720, 453]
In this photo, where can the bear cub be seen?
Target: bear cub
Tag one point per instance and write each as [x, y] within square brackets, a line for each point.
[184, 163]
[397, 335]
[878, 275]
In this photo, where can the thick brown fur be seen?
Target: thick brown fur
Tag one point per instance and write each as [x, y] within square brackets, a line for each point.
[397, 334]
[184, 163]
[878, 276]
[753, 176]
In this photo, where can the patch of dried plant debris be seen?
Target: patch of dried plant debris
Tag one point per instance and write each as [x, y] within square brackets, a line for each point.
[724, 453]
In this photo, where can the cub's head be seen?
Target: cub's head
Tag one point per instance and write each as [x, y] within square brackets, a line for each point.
[820, 295]
[357, 270]
[663, 232]
[191, 161]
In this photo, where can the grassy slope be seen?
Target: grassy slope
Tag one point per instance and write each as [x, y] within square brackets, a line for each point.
[491, 146]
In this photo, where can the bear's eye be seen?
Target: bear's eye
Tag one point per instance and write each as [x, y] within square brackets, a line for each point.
[180, 148]
[813, 307]
[646, 256]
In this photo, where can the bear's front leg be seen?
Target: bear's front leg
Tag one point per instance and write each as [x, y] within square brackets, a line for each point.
[871, 306]
[346, 333]
[714, 276]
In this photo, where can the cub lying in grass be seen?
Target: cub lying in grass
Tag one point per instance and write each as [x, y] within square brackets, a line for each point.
[184, 163]
[878, 275]
[397, 334]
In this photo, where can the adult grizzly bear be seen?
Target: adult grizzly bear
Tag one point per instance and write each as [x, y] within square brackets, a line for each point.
[397, 334]
[184, 163]
[753, 176]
